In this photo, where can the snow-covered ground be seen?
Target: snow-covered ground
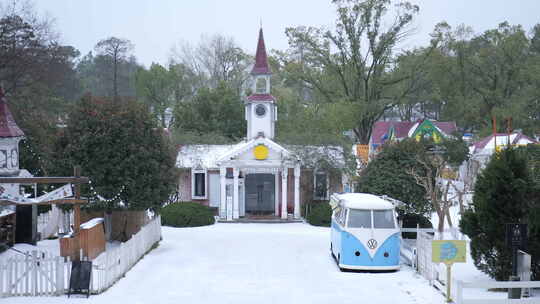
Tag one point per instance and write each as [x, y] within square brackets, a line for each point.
[252, 263]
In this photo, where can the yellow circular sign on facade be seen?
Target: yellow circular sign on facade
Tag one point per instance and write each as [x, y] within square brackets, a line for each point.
[260, 152]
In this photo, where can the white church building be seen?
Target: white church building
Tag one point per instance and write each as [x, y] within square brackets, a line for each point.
[256, 177]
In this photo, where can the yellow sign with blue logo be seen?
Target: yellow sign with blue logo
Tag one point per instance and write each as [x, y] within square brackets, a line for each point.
[260, 152]
[448, 251]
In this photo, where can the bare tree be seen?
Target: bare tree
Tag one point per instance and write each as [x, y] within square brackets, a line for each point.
[213, 60]
[118, 50]
[436, 189]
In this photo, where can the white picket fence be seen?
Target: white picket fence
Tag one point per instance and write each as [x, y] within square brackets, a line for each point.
[41, 274]
[460, 285]
[110, 266]
[53, 221]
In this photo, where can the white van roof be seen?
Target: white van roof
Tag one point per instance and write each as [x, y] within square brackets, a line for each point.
[363, 201]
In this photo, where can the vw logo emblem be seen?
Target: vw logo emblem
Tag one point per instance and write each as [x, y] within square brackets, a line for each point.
[372, 244]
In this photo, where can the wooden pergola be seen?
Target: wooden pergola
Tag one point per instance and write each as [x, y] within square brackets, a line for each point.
[76, 200]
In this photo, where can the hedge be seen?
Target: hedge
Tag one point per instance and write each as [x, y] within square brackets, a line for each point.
[186, 214]
[320, 214]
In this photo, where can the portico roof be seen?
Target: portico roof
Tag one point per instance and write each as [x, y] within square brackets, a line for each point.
[247, 146]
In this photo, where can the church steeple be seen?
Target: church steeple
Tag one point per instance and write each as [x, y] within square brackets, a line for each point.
[261, 109]
[261, 60]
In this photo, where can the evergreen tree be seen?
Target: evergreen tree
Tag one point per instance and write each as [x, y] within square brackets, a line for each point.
[388, 174]
[502, 194]
[118, 145]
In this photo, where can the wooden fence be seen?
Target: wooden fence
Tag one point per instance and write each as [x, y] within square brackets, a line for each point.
[42, 274]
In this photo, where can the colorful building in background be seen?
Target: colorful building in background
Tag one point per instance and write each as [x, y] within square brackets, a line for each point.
[386, 131]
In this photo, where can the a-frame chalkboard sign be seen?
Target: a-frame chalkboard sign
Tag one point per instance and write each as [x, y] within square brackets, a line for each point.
[79, 282]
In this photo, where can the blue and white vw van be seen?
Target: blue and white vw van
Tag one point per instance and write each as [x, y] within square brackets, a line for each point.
[365, 234]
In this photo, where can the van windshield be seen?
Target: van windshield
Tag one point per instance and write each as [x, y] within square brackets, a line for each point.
[359, 219]
[383, 219]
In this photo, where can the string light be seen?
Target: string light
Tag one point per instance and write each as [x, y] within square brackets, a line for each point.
[101, 198]
[92, 189]
[34, 154]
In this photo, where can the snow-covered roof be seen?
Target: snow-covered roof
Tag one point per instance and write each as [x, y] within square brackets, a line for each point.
[8, 126]
[92, 223]
[363, 201]
[310, 155]
[210, 156]
[487, 144]
[203, 156]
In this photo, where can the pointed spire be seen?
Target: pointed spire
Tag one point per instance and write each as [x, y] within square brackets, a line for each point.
[261, 60]
[8, 126]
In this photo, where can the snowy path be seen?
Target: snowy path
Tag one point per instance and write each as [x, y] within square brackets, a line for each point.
[252, 263]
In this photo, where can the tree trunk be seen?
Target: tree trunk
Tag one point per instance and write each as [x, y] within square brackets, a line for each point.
[441, 215]
[115, 84]
[448, 218]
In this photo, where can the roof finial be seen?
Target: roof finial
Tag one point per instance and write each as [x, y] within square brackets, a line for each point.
[260, 22]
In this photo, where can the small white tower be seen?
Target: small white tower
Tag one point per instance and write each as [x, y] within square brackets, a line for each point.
[261, 109]
[10, 135]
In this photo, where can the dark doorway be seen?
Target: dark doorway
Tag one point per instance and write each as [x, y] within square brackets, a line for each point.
[260, 190]
[25, 223]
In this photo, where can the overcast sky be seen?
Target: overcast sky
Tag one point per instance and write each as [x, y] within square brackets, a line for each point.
[154, 26]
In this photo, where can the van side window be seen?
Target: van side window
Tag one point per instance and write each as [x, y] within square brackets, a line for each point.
[359, 219]
[343, 217]
[337, 213]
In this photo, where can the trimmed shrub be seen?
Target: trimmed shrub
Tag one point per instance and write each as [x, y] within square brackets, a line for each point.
[320, 214]
[186, 214]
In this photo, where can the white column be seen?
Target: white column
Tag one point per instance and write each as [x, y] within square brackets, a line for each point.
[223, 197]
[284, 174]
[297, 192]
[236, 212]
[276, 194]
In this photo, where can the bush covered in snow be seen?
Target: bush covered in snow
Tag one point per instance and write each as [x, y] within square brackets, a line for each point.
[320, 214]
[186, 214]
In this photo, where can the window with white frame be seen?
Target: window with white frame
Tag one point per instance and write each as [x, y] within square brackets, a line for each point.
[198, 184]
[320, 185]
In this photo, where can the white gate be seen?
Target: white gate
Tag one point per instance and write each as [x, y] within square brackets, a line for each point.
[33, 274]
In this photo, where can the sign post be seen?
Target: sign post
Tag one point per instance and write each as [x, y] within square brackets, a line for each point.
[516, 238]
[448, 252]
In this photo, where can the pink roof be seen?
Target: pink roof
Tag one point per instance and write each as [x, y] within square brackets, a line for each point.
[481, 144]
[261, 60]
[402, 128]
[261, 97]
[8, 126]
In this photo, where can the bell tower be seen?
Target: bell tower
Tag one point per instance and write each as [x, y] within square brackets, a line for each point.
[10, 135]
[261, 109]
